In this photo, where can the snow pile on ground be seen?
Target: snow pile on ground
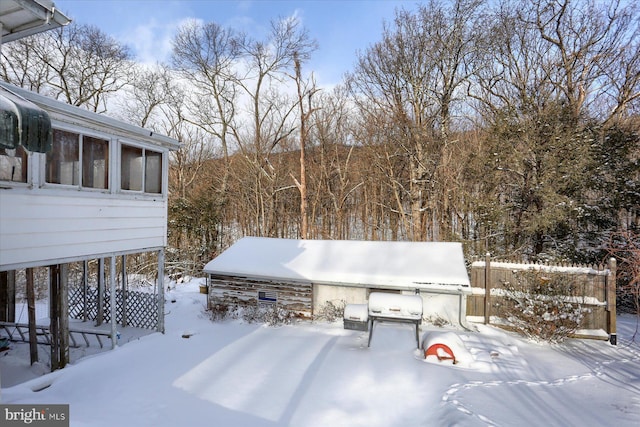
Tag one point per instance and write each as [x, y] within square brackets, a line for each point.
[201, 373]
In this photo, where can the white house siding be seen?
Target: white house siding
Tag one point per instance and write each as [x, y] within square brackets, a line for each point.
[435, 306]
[45, 223]
[336, 294]
[447, 308]
[49, 227]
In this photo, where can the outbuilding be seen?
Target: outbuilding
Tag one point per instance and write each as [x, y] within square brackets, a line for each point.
[303, 275]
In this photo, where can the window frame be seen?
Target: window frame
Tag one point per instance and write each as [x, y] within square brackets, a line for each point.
[26, 160]
[81, 133]
[75, 177]
[106, 169]
[144, 149]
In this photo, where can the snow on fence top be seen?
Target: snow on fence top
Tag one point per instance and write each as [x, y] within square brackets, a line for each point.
[575, 269]
[404, 265]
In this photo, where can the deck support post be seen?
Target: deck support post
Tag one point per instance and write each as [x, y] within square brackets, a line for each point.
[124, 290]
[112, 300]
[59, 315]
[160, 290]
[31, 313]
[85, 289]
[100, 298]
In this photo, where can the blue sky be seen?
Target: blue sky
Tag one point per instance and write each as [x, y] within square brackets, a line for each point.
[341, 28]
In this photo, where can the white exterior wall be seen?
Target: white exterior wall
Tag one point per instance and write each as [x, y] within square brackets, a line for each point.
[44, 228]
[43, 224]
[336, 294]
[446, 307]
[435, 306]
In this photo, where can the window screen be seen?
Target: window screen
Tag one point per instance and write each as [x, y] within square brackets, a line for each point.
[131, 168]
[95, 163]
[63, 160]
[153, 172]
[13, 164]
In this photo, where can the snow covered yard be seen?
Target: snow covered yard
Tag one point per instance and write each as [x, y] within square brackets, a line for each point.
[318, 374]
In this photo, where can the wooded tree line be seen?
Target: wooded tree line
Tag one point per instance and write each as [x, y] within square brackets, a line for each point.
[511, 126]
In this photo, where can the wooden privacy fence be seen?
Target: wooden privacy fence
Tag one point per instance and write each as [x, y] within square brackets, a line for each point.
[133, 308]
[596, 285]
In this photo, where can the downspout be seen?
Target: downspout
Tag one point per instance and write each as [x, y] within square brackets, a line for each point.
[463, 312]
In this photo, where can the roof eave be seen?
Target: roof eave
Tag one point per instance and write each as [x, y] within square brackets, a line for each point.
[450, 289]
[60, 110]
[45, 19]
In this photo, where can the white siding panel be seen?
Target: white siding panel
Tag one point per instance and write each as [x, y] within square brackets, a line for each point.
[323, 294]
[37, 226]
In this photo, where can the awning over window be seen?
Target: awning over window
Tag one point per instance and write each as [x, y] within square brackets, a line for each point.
[23, 123]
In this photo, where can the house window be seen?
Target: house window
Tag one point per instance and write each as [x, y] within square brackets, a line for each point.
[63, 160]
[140, 169]
[153, 172]
[13, 164]
[131, 172]
[74, 157]
[95, 163]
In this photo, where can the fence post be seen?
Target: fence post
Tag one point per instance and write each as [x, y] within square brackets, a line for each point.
[487, 288]
[611, 301]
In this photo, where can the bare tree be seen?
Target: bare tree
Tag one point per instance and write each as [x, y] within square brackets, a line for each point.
[78, 64]
[87, 66]
[195, 203]
[206, 56]
[268, 63]
[305, 94]
[148, 91]
[21, 66]
[585, 41]
[334, 172]
[414, 76]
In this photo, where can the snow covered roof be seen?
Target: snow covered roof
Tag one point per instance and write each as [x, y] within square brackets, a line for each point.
[436, 266]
